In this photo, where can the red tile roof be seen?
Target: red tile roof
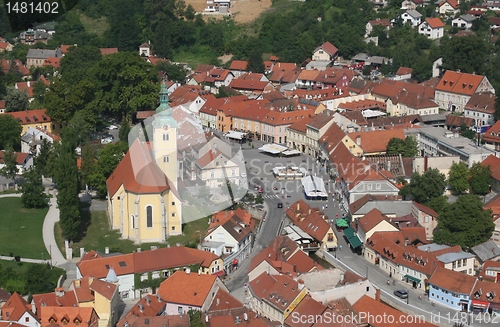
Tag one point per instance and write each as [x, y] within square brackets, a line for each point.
[15, 307]
[485, 289]
[308, 75]
[404, 71]
[452, 3]
[376, 141]
[25, 87]
[425, 209]
[489, 264]
[224, 301]
[107, 51]
[457, 121]
[493, 134]
[68, 316]
[187, 289]
[52, 61]
[371, 219]
[279, 290]
[68, 299]
[300, 126]
[384, 22]
[459, 83]
[248, 85]
[494, 206]
[20, 157]
[155, 60]
[328, 48]
[240, 65]
[4, 45]
[435, 22]
[65, 48]
[309, 220]
[363, 105]
[308, 307]
[252, 76]
[31, 116]
[482, 102]
[494, 164]
[2, 104]
[161, 321]
[149, 306]
[452, 281]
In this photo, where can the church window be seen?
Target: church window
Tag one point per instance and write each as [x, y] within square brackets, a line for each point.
[173, 214]
[166, 137]
[132, 221]
[173, 203]
[149, 216]
[166, 158]
[173, 227]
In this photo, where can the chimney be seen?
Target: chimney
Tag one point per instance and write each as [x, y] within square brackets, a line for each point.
[60, 291]
[245, 316]
[77, 283]
[358, 140]
[91, 279]
[298, 205]
[188, 271]
[294, 267]
[106, 250]
[377, 294]
[310, 210]
[199, 271]
[139, 250]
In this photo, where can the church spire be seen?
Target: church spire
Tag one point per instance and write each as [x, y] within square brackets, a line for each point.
[164, 106]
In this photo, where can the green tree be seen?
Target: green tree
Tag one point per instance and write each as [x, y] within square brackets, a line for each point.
[467, 53]
[76, 65]
[465, 223]
[39, 279]
[395, 146]
[161, 41]
[424, 187]
[9, 160]
[465, 131]
[42, 157]
[408, 147]
[124, 130]
[497, 108]
[195, 318]
[10, 130]
[33, 191]
[480, 179]
[39, 89]
[108, 159]
[255, 62]
[174, 72]
[458, 177]
[16, 100]
[89, 161]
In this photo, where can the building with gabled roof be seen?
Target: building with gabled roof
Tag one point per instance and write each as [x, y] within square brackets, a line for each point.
[374, 142]
[492, 137]
[373, 222]
[36, 57]
[325, 52]
[455, 89]
[451, 288]
[186, 290]
[448, 7]
[18, 310]
[238, 67]
[490, 271]
[68, 316]
[485, 297]
[481, 108]
[377, 22]
[275, 296]
[147, 307]
[410, 103]
[432, 28]
[36, 119]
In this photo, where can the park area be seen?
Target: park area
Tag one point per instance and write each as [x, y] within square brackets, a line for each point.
[21, 232]
[97, 235]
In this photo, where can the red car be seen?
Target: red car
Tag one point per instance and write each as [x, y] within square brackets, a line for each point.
[261, 190]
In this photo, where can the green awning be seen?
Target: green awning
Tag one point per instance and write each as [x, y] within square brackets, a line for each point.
[413, 279]
[341, 223]
[355, 242]
[349, 232]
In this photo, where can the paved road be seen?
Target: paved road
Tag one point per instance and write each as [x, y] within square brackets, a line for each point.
[57, 258]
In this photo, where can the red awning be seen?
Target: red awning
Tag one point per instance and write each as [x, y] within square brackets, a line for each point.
[235, 261]
[220, 273]
[480, 304]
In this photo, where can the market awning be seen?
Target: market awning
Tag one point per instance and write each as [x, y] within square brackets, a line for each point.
[480, 304]
[355, 242]
[342, 223]
[413, 279]
[349, 232]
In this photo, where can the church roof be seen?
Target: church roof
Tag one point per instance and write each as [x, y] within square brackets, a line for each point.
[141, 175]
[164, 112]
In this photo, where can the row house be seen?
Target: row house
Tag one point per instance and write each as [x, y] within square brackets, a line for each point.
[494, 206]
[487, 251]
[481, 108]
[160, 263]
[148, 307]
[451, 289]
[296, 135]
[36, 57]
[208, 112]
[386, 89]
[328, 78]
[455, 89]
[313, 223]
[485, 297]
[375, 142]
[432, 28]
[492, 139]
[282, 256]
[284, 75]
[371, 223]
[185, 290]
[315, 129]
[409, 103]
[230, 237]
[275, 124]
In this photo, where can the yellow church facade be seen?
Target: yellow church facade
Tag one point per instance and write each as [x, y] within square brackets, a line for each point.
[143, 201]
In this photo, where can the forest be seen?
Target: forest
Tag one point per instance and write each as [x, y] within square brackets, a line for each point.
[289, 29]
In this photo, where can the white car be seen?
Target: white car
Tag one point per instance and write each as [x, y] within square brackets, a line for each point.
[112, 127]
[243, 175]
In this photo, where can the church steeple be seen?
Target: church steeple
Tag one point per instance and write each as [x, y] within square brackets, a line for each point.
[164, 106]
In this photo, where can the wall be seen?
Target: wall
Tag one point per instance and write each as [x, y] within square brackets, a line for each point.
[446, 298]
[442, 164]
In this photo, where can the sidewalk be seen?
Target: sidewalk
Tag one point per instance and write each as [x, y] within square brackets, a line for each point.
[57, 258]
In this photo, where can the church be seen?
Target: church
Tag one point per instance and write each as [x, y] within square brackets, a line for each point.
[143, 201]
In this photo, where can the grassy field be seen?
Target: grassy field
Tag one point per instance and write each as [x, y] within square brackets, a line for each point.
[98, 235]
[202, 55]
[21, 231]
[95, 26]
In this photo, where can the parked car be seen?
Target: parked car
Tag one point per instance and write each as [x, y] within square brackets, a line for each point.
[402, 294]
[243, 175]
[107, 139]
[111, 127]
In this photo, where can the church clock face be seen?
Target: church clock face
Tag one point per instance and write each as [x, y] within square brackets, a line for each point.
[165, 127]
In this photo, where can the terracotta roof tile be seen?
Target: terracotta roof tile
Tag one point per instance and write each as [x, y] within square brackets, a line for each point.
[31, 116]
[490, 264]
[371, 219]
[482, 102]
[459, 83]
[376, 141]
[20, 157]
[308, 219]
[308, 307]
[240, 65]
[224, 301]
[452, 281]
[384, 22]
[162, 321]
[300, 125]
[202, 68]
[457, 121]
[188, 289]
[452, 3]
[104, 288]
[149, 306]
[248, 85]
[85, 315]
[362, 105]
[404, 71]
[68, 299]
[494, 164]
[107, 51]
[328, 48]
[356, 117]
[279, 290]
[15, 307]
[308, 75]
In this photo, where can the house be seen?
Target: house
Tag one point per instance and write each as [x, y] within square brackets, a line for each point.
[334, 77]
[252, 89]
[315, 129]
[426, 217]
[296, 135]
[411, 17]
[148, 307]
[451, 289]
[325, 52]
[18, 310]
[463, 22]
[494, 206]
[85, 292]
[282, 256]
[374, 142]
[24, 161]
[184, 291]
[275, 296]
[36, 57]
[490, 271]
[231, 238]
[220, 6]
[108, 51]
[30, 37]
[455, 123]
[488, 250]
[374, 307]
[481, 108]
[485, 297]
[36, 119]
[160, 263]
[385, 23]
[403, 73]
[371, 223]
[310, 221]
[238, 67]
[68, 316]
[455, 89]
[219, 77]
[432, 28]
[391, 206]
[448, 8]
[492, 139]
[174, 320]
[412, 4]
[5, 46]
[145, 50]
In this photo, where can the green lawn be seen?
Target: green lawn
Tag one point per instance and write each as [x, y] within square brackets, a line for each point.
[94, 26]
[196, 55]
[21, 230]
[98, 235]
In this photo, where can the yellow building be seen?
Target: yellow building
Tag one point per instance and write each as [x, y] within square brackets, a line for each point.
[143, 202]
[36, 119]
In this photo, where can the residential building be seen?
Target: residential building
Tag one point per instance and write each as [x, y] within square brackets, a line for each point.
[220, 6]
[252, 89]
[391, 207]
[412, 4]
[215, 168]
[275, 123]
[219, 77]
[375, 22]
[403, 73]
[481, 108]
[315, 129]
[5, 46]
[148, 307]
[30, 37]
[451, 289]
[455, 89]
[374, 142]
[494, 206]
[275, 296]
[185, 290]
[426, 217]
[448, 8]
[68, 316]
[335, 78]
[18, 310]
[36, 57]
[313, 223]
[374, 221]
[296, 135]
[492, 139]
[439, 142]
[325, 52]
[488, 250]
[160, 263]
[485, 297]
[410, 103]
[145, 50]
[411, 17]
[24, 161]
[490, 271]
[432, 28]
[174, 320]
[463, 22]
[238, 67]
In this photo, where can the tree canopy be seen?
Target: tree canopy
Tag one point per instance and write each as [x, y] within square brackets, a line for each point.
[408, 147]
[424, 187]
[33, 191]
[480, 179]
[10, 130]
[465, 223]
[458, 177]
[16, 100]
